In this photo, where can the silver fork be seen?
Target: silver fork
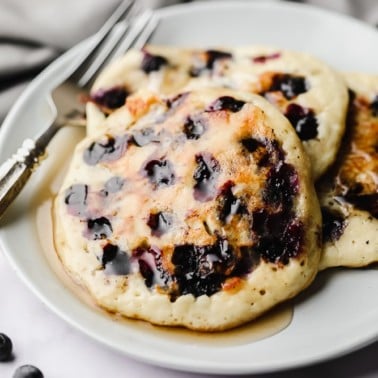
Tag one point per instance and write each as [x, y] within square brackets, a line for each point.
[112, 40]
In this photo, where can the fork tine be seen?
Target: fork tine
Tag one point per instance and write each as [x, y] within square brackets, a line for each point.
[141, 26]
[120, 12]
[89, 72]
[146, 33]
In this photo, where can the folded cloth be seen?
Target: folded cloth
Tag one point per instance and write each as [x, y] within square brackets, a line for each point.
[32, 33]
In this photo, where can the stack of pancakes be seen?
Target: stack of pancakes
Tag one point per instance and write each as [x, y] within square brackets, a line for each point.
[192, 200]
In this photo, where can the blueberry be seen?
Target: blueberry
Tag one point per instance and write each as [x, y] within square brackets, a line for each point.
[281, 186]
[114, 184]
[205, 176]
[27, 371]
[5, 347]
[152, 62]
[226, 103]
[290, 85]
[211, 57]
[374, 106]
[111, 98]
[280, 235]
[262, 151]
[160, 172]
[151, 267]
[144, 136]
[176, 101]
[228, 204]
[110, 149]
[194, 127]
[303, 120]
[76, 199]
[115, 261]
[201, 270]
[159, 223]
[99, 228]
[333, 225]
[251, 144]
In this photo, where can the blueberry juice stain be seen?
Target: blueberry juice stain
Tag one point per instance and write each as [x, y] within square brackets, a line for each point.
[159, 172]
[159, 223]
[76, 199]
[149, 261]
[228, 204]
[194, 127]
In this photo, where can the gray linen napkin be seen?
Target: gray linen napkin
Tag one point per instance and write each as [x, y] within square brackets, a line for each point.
[32, 33]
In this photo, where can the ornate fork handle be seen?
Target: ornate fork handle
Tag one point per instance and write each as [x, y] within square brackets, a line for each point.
[15, 172]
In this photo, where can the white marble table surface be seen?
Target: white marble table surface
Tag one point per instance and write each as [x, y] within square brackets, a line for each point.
[42, 339]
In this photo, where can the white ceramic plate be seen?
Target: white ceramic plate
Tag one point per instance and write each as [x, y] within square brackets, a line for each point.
[338, 314]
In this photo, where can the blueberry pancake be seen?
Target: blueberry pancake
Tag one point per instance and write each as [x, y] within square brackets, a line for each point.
[308, 92]
[195, 210]
[349, 192]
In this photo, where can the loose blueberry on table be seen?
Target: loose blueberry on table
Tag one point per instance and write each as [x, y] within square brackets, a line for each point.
[28, 371]
[5, 347]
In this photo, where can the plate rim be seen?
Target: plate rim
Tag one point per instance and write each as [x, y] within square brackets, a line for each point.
[6, 128]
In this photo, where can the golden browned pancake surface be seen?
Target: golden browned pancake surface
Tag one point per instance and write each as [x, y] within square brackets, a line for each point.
[195, 210]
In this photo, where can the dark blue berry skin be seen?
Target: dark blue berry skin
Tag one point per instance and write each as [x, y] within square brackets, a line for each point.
[289, 85]
[226, 103]
[152, 62]
[280, 235]
[333, 225]
[160, 173]
[114, 261]
[76, 199]
[113, 185]
[211, 57]
[144, 136]
[281, 186]
[374, 106]
[111, 98]
[6, 347]
[228, 204]
[99, 228]
[303, 120]
[176, 101]
[201, 270]
[194, 127]
[251, 144]
[205, 176]
[106, 151]
[150, 264]
[159, 223]
[27, 371]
